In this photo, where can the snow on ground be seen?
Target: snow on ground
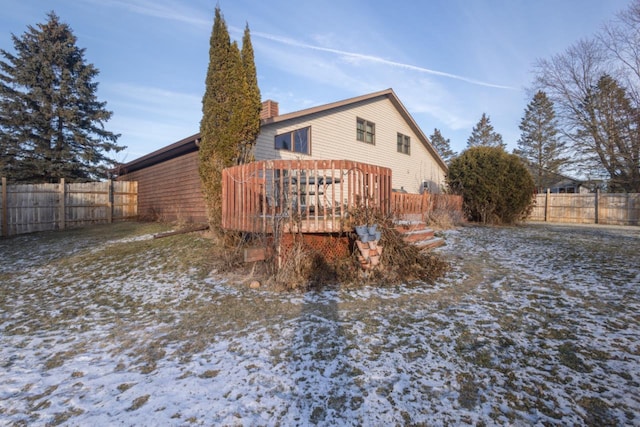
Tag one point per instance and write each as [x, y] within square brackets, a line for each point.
[535, 325]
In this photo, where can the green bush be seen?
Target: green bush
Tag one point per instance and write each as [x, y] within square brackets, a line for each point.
[496, 186]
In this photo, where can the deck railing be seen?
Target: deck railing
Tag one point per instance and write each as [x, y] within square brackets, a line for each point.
[308, 196]
[419, 206]
[409, 203]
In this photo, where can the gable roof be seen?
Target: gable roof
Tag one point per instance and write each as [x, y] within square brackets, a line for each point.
[191, 143]
[559, 177]
[387, 93]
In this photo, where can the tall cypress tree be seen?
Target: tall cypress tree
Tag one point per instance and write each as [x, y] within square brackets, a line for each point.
[215, 143]
[51, 123]
[253, 102]
[539, 144]
[484, 135]
[230, 121]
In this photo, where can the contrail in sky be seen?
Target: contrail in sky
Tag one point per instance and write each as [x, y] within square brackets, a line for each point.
[377, 59]
[149, 8]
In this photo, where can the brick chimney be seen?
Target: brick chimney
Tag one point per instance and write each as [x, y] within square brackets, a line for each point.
[269, 109]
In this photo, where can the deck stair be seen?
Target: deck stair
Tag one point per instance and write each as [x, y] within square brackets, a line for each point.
[418, 234]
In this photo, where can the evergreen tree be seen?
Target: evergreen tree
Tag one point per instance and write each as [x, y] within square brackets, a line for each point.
[51, 123]
[539, 144]
[484, 135]
[443, 146]
[231, 120]
[609, 136]
[253, 102]
[496, 186]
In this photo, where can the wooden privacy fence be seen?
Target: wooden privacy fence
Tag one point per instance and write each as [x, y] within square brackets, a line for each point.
[25, 208]
[591, 208]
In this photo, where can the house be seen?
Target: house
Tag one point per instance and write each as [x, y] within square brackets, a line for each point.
[556, 182]
[566, 184]
[374, 129]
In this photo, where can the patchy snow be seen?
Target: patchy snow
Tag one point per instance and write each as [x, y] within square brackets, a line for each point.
[535, 325]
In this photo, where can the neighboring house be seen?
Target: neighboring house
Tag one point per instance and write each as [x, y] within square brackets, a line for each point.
[565, 184]
[374, 128]
[557, 183]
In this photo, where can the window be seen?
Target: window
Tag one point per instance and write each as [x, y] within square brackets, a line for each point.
[404, 144]
[297, 141]
[366, 131]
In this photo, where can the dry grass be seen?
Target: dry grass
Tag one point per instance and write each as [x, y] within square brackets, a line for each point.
[496, 332]
[445, 219]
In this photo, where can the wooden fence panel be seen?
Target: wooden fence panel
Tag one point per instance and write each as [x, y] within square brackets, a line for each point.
[86, 203]
[592, 208]
[125, 200]
[32, 207]
[539, 206]
[575, 208]
[621, 209]
[27, 208]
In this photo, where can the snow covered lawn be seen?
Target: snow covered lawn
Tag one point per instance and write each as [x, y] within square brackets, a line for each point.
[535, 325]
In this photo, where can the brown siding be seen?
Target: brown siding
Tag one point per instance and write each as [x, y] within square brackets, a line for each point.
[170, 191]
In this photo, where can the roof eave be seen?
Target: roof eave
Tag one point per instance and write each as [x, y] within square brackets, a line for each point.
[387, 93]
[189, 144]
[179, 148]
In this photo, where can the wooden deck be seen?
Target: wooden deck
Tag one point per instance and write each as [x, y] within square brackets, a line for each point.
[314, 196]
[307, 196]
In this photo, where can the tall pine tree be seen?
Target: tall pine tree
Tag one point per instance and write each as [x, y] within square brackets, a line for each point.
[483, 135]
[51, 123]
[442, 145]
[230, 121]
[539, 144]
[609, 136]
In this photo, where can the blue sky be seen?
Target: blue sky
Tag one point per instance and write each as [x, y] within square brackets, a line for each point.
[449, 61]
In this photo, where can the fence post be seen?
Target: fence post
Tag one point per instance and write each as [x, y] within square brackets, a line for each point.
[547, 208]
[62, 211]
[110, 202]
[597, 202]
[5, 210]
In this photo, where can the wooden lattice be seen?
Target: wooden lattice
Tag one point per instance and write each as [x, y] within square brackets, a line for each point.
[328, 246]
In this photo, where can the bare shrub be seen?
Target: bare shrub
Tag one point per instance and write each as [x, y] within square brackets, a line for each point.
[444, 219]
[401, 262]
[295, 269]
[405, 262]
[299, 266]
